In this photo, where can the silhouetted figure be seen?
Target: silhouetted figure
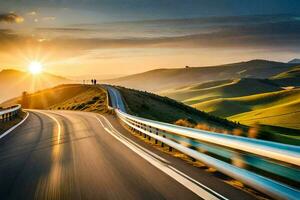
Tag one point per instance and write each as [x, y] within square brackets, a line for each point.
[95, 81]
[92, 81]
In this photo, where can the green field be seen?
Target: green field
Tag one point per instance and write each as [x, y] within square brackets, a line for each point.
[280, 108]
[226, 107]
[288, 78]
[273, 104]
[163, 109]
[204, 92]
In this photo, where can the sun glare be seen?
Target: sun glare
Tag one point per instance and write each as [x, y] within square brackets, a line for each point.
[35, 67]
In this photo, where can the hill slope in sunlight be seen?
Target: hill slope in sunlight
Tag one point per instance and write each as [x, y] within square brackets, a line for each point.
[288, 78]
[14, 82]
[162, 79]
[277, 109]
[221, 89]
[65, 97]
[226, 107]
[274, 101]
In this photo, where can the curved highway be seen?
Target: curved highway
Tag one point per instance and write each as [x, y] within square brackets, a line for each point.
[80, 155]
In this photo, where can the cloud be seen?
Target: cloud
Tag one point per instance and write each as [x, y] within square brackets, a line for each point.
[62, 29]
[32, 13]
[270, 33]
[50, 18]
[11, 18]
[282, 34]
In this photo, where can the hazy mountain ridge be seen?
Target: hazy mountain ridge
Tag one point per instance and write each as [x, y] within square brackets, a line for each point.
[162, 79]
[295, 61]
[14, 82]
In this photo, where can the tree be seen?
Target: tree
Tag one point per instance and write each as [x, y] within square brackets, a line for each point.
[25, 100]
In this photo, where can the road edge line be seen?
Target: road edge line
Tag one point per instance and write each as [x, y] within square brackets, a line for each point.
[14, 127]
[183, 180]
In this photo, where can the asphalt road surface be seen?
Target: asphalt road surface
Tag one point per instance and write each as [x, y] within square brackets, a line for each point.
[79, 155]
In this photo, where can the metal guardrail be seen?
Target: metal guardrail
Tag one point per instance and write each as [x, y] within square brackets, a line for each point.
[269, 167]
[161, 132]
[9, 113]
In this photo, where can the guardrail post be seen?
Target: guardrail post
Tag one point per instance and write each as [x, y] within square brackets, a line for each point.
[150, 130]
[162, 144]
[156, 132]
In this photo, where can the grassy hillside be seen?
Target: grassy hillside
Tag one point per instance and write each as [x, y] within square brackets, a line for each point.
[14, 82]
[288, 78]
[284, 112]
[92, 99]
[162, 79]
[159, 108]
[247, 103]
[163, 109]
[67, 97]
[205, 92]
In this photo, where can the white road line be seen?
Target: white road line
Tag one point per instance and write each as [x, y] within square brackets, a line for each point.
[179, 176]
[56, 121]
[14, 127]
[134, 143]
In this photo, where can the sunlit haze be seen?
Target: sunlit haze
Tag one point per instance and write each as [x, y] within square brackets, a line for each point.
[35, 67]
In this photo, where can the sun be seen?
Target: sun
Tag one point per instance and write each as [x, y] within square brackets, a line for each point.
[35, 67]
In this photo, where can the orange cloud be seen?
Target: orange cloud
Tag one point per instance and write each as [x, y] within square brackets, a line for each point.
[11, 18]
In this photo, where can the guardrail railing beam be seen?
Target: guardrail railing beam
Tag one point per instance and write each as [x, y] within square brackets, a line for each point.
[240, 153]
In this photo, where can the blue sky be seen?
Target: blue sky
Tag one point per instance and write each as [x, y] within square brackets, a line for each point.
[128, 36]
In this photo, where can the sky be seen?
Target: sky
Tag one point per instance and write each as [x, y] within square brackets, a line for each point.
[119, 37]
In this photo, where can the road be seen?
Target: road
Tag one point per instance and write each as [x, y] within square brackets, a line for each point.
[115, 98]
[80, 155]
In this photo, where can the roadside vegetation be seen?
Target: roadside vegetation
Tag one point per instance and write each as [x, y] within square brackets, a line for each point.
[65, 97]
[148, 105]
[155, 107]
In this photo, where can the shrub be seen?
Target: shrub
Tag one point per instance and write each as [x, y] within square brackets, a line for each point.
[185, 123]
[96, 98]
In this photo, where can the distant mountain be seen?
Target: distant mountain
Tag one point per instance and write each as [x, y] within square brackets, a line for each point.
[99, 77]
[14, 82]
[162, 79]
[295, 61]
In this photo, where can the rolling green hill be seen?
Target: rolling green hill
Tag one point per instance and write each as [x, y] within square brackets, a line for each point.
[163, 109]
[163, 79]
[273, 101]
[288, 78]
[227, 107]
[282, 110]
[221, 89]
